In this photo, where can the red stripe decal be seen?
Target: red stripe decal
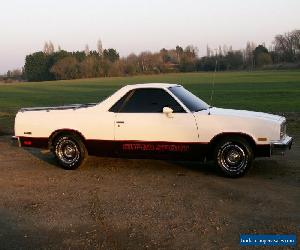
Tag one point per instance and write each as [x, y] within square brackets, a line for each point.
[152, 147]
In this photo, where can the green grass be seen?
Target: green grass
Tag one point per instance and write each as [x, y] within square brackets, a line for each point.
[269, 91]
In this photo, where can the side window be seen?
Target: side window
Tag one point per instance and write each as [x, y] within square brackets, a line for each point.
[149, 101]
[119, 104]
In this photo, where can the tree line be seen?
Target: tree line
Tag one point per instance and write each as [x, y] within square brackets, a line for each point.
[51, 64]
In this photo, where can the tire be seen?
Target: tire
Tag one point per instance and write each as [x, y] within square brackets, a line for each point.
[233, 156]
[69, 151]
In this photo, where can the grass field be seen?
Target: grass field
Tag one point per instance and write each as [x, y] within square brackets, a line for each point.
[269, 91]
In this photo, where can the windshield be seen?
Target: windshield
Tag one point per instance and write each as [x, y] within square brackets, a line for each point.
[192, 102]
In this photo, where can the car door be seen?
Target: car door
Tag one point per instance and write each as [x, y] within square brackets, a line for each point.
[142, 129]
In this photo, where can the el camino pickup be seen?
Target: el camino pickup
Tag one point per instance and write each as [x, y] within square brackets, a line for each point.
[154, 120]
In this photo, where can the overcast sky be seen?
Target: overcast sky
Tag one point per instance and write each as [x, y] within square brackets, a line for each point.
[137, 25]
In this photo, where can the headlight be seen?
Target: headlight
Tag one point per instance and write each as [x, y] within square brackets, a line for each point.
[282, 129]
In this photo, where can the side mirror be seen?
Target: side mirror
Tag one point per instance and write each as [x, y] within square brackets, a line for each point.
[168, 111]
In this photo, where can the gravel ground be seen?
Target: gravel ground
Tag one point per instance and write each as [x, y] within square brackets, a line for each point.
[142, 204]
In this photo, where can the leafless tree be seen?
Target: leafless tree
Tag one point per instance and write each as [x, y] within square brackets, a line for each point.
[99, 47]
[88, 67]
[193, 50]
[248, 55]
[220, 53]
[66, 68]
[287, 46]
[48, 48]
[51, 47]
[208, 51]
[225, 50]
[179, 53]
[87, 50]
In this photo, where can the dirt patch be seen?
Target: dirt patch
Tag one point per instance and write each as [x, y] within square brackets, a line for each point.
[137, 204]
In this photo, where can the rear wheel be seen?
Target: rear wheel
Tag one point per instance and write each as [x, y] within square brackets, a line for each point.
[234, 156]
[69, 151]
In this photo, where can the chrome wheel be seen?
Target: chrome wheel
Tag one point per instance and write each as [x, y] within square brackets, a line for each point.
[233, 155]
[67, 151]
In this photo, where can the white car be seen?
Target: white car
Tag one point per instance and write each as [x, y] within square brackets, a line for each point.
[154, 120]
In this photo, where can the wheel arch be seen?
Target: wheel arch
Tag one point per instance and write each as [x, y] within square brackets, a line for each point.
[213, 142]
[58, 132]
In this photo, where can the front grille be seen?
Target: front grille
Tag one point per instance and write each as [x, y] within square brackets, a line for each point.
[282, 130]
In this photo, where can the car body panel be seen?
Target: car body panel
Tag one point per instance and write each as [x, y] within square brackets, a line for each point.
[183, 135]
[241, 122]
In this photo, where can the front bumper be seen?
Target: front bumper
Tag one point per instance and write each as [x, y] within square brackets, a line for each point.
[279, 147]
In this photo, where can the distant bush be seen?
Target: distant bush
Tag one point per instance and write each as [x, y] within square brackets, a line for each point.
[282, 66]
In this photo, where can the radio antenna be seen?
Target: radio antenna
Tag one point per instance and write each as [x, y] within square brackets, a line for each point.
[213, 87]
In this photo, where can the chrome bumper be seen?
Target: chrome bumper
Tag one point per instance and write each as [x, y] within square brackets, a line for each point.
[279, 147]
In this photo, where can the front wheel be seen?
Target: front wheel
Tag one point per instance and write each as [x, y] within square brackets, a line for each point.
[234, 156]
[69, 151]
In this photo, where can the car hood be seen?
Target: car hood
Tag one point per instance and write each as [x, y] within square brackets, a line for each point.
[245, 114]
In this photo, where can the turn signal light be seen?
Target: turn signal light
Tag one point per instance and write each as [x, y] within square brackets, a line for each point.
[262, 139]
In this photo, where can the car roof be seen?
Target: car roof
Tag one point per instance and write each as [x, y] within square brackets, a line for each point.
[151, 85]
[107, 103]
